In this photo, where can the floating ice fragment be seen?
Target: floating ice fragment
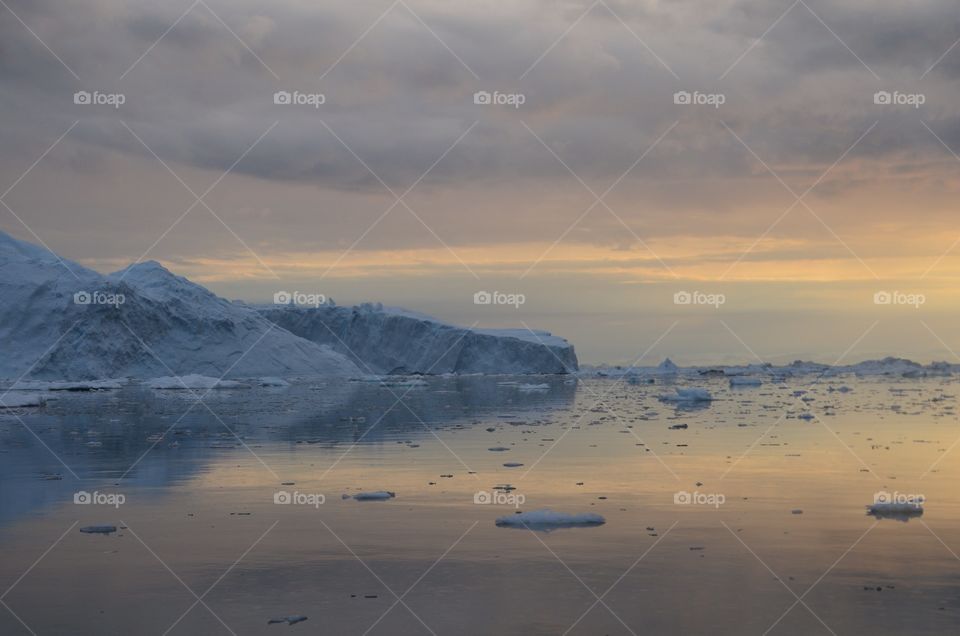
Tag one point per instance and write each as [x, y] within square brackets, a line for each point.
[546, 520]
[376, 495]
[98, 529]
[289, 620]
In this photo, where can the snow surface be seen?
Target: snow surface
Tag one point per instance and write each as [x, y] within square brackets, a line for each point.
[547, 520]
[388, 340]
[166, 325]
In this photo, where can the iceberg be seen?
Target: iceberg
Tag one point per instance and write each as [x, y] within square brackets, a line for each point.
[386, 340]
[62, 321]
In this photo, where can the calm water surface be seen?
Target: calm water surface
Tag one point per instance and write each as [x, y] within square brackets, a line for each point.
[780, 544]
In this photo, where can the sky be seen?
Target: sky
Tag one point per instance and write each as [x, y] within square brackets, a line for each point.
[811, 178]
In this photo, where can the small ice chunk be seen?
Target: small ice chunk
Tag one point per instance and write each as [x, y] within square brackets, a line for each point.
[98, 529]
[289, 620]
[688, 394]
[376, 495]
[901, 510]
[512, 465]
[533, 388]
[498, 449]
[741, 380]
[546, 520]
[273, 382]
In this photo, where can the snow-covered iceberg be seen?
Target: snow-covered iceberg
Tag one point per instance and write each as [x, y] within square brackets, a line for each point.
[390, 340]
[62, 321]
